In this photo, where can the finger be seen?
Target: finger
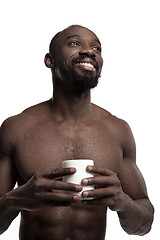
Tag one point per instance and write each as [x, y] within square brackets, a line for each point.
[60, 197]
[103, 181]
[100, 170]
[75, 200]
[98, 201]
[59, 185]
[59, 172]
[98, 193]
[107, 202]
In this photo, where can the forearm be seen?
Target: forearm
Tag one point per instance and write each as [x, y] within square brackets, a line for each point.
[7, 214]
[138, 217]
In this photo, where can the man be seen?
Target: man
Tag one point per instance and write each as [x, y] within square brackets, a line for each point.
[34, 144]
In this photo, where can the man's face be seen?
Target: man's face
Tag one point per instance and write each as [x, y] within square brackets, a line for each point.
[78, 60]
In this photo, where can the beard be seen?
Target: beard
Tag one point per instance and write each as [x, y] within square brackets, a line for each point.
[85, 80]
[78, 78]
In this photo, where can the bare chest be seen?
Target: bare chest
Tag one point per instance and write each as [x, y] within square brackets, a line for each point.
[42, 149]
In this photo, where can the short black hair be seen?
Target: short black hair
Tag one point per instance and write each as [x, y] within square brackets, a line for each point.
[53, 43]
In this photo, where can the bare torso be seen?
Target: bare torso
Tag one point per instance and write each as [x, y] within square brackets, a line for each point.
[41, 144]
[34, 144]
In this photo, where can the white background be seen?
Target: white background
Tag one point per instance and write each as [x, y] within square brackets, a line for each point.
[130, 36]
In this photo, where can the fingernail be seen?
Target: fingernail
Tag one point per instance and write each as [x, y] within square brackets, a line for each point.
[90, 168]
[76, 198]
[72, 170]
[78, 188]
[85, 194]
[85, 181]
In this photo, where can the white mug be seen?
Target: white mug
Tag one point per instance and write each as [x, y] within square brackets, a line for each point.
[81, 172]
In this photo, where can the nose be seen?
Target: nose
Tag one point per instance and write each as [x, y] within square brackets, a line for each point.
[88, 51]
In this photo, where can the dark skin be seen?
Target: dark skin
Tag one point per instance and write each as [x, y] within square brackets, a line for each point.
[34, 144]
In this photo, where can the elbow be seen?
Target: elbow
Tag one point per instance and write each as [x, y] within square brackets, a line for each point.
[143, 230]
[146, 228]
[140, 232]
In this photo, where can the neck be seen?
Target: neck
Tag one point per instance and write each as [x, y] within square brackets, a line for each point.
[69, 104]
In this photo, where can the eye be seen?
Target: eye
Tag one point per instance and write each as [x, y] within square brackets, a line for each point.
[96, 48]
[75, 43]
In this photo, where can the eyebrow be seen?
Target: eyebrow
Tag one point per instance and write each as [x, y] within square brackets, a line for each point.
[72, 36]
[97, 40]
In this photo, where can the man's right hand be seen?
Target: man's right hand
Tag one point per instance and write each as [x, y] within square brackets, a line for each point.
[43, 191]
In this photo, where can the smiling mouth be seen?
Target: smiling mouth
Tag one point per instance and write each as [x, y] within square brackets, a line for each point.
[86, 66]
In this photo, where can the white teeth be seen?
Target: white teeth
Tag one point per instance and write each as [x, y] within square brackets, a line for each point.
[87, 64]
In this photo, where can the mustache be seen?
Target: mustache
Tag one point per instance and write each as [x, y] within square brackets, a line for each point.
[83, 57]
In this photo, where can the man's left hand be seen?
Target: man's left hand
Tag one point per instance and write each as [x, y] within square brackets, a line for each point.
[108, 191]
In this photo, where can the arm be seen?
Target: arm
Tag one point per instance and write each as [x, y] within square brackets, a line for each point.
[7, 180]
[43, 190]
[125, 193]
[138, 217]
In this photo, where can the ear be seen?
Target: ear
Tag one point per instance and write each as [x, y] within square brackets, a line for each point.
[48, 60]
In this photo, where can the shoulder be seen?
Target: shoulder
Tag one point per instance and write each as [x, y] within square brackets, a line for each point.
[110, 120]
[28, 115]
[118, 127]
[13, 127]
[7, 134]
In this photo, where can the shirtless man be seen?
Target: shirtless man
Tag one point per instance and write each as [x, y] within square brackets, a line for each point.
[34, 144]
